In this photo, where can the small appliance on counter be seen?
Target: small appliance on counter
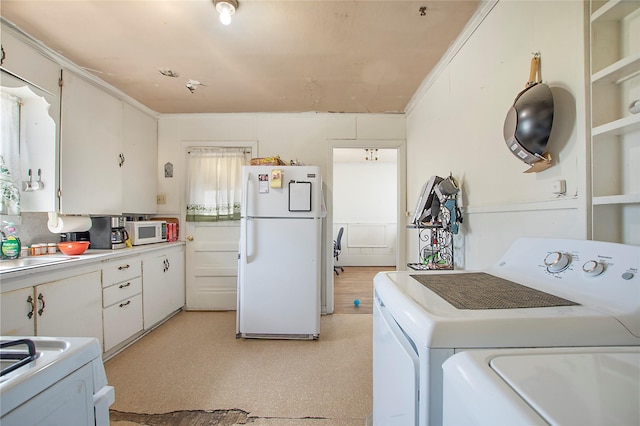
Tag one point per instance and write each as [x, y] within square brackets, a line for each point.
[74, 236]
[147, 232]
[108, 232]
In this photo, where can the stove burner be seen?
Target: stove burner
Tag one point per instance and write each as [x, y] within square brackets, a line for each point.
[480, 290]
[20, 357]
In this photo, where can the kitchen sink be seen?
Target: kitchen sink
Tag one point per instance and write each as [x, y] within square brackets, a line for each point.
[31, 262]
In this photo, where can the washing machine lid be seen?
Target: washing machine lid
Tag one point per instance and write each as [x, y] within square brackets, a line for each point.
[593, 387]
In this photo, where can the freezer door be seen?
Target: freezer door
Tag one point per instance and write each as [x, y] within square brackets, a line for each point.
[279, 278]
[281, 191]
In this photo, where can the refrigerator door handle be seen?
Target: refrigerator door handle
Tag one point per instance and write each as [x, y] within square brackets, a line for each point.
[244, 208]
[243, 223]
[244, 243]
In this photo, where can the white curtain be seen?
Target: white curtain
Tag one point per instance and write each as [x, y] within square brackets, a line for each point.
[214, 184]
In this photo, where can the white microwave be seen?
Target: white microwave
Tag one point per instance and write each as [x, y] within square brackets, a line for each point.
[146, 232]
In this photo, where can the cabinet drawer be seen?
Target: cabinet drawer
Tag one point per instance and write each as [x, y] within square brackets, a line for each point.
[121, 291]
[122, 321]
[120, 270]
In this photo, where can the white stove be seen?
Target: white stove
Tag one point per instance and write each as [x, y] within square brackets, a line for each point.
[61, 381]
[543, 293]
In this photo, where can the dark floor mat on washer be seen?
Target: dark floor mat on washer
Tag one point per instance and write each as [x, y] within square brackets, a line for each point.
[479, 290]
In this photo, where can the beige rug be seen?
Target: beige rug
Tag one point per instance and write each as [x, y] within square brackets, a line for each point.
[194, 363]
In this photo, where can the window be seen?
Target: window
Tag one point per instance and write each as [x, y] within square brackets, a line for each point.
[214, 184]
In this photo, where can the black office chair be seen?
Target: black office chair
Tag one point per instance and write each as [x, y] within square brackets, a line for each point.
[337, 247]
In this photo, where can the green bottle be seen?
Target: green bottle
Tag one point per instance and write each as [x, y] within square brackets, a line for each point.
[10, 242]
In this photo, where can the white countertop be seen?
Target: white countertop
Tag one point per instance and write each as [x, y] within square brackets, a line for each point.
[12, 279]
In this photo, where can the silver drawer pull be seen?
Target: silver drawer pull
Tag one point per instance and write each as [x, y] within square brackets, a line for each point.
[124, 285]
[122, 305]
[124, 267]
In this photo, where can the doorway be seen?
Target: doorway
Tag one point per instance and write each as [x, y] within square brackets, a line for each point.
[212, 247]
[367, 186]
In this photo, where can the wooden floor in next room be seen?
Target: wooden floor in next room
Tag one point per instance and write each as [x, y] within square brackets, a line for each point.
[355, 282]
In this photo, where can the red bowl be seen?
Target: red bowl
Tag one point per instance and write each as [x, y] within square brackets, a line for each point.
[73, 248]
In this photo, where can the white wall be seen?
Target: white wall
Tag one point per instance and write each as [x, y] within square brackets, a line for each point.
[305, 137]
[365, 198]
[455, 125]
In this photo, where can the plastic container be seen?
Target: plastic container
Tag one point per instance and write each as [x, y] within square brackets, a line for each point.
[52, 248]
[10, 242]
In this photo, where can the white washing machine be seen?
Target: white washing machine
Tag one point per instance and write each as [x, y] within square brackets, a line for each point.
[555, 386]
[542, 293]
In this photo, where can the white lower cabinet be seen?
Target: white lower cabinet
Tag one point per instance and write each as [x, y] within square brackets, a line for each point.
[114, 300]
[162, 284]
[121, 301]
[122, 320]
[17, 316]
[69, 307]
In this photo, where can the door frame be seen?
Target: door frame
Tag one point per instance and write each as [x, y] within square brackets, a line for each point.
[401, 167]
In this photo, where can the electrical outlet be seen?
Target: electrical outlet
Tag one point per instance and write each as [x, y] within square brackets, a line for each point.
[161, 199]
[559, 187]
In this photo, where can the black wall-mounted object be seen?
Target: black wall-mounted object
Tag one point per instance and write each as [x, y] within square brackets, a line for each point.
[528, 123]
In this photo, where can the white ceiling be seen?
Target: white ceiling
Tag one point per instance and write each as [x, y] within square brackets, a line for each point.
[276, 56]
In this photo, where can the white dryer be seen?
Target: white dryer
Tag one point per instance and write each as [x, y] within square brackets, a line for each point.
[554, 386]
[542, 293]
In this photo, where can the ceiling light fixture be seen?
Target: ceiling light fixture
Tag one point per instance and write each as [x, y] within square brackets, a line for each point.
[371, 154]
[226, 8]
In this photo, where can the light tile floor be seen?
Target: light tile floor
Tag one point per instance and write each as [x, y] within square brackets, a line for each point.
[194, 362]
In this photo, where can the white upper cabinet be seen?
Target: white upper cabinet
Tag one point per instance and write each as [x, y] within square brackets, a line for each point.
[32, 79]
[92, 152]
[140, 148]
[91, 155]
[28, 63]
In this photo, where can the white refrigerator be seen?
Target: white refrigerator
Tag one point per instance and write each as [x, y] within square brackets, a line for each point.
[280, 253]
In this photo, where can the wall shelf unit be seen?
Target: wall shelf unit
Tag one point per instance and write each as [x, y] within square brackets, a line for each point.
[614, 31]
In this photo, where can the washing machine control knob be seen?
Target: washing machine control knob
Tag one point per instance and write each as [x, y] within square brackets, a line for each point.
[557, 261]
[593, 268]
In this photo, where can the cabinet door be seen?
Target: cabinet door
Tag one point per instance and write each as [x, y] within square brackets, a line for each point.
[90, 149]
[154, 290]
[16, 316]
[175, 280]
[162, 285]
[141, 162]
[39, 121]
[71, 307]
[28, 63]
